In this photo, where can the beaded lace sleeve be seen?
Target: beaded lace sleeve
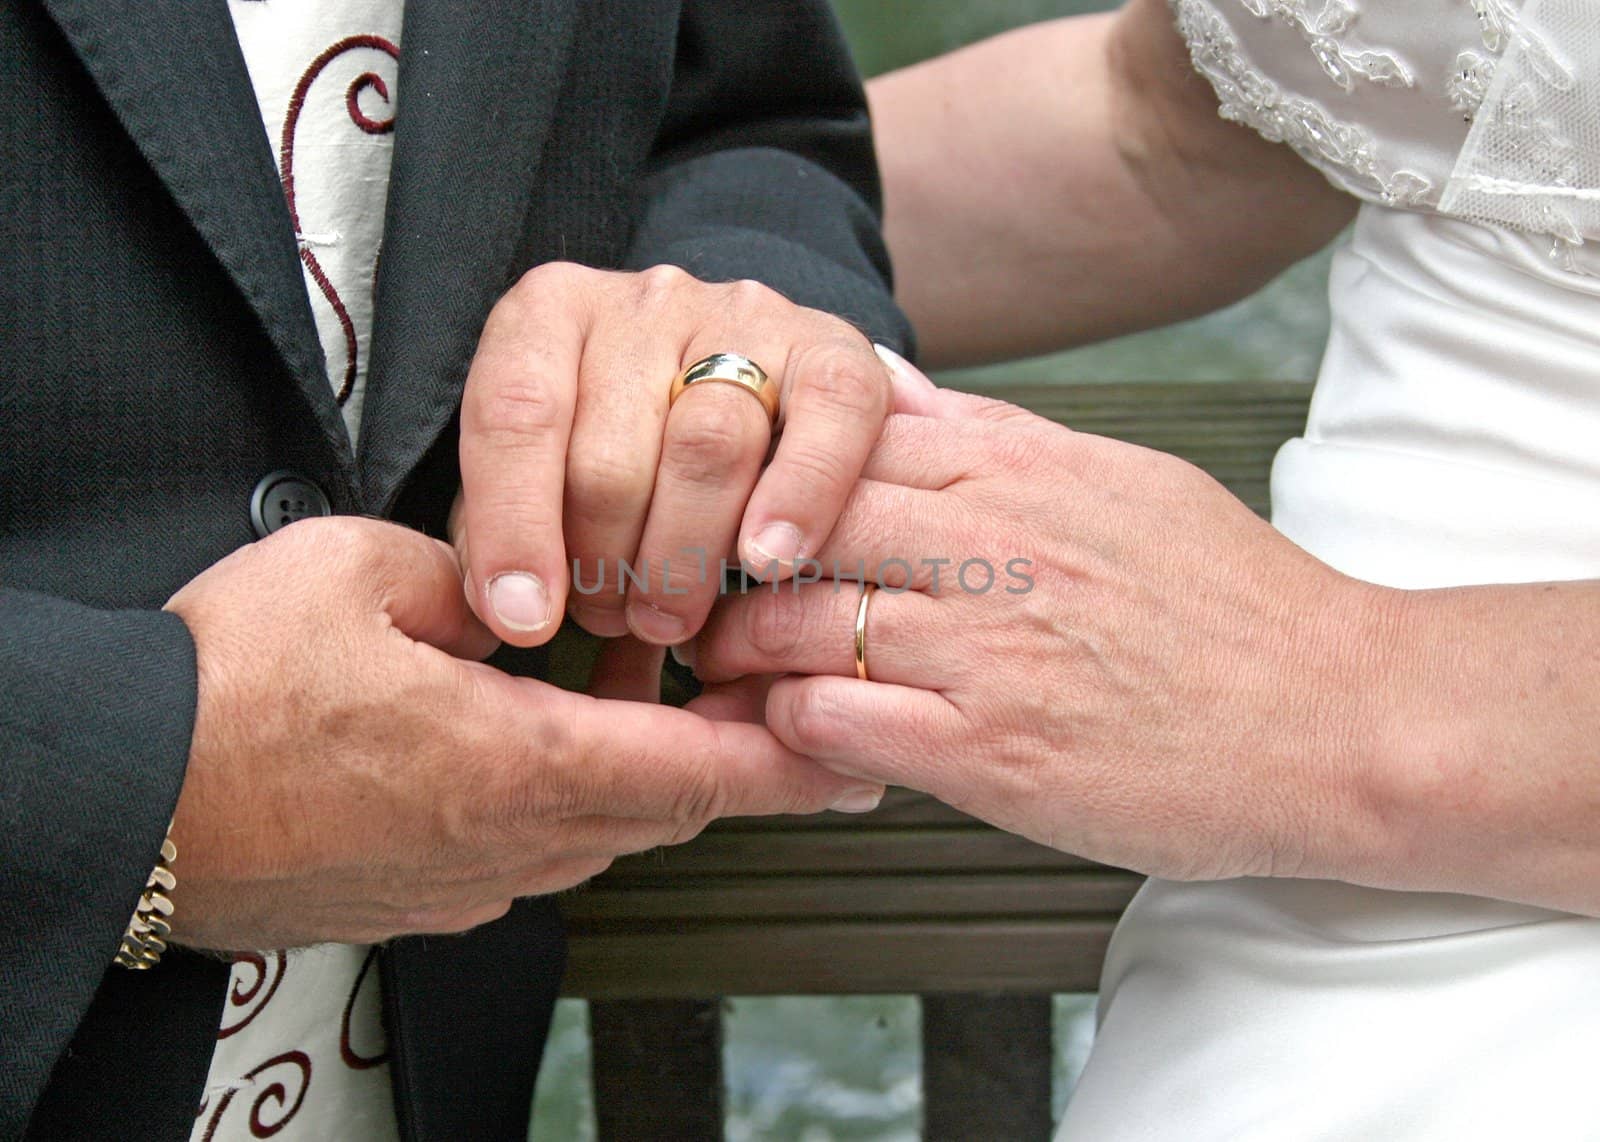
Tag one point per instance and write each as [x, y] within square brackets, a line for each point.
[1532, 158]
[1487, 110]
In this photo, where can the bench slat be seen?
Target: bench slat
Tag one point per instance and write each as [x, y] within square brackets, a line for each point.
[810, 897]
[667, 960]
[723, 851]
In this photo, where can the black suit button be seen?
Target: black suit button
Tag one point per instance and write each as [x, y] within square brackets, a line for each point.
[282, 498]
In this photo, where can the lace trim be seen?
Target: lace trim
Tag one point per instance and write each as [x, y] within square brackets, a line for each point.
[1246, 96]
[1469, 83]
[1322, 29]
[1496, 22]
[1518, 168]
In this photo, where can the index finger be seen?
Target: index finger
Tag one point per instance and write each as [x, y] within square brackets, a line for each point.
[837, 396]
[516, 421]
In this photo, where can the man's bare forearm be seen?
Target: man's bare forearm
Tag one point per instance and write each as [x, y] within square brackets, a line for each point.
[1072, 181]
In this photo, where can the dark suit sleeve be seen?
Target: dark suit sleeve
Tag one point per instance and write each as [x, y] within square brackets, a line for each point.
[764, 167]
[96, 712]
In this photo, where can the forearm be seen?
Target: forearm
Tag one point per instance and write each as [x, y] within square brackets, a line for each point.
[1484, 771]
[1072, 181]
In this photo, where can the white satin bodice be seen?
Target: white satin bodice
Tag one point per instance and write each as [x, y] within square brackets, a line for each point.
[1453, 438]
[1454, 434]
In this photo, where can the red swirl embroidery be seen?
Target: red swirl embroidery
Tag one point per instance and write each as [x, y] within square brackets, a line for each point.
[367, 81]
[252, 997]
[353, 1059]
[274, 1096]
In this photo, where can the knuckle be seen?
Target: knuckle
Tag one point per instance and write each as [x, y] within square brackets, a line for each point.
[520, 409]
[747, 294]
[662, 283]
[560, 877]
[493, 911]
[810, 470]
[686, 830]
[671, 583]
[840, 376]
[606, 484]
[700, 798]
[775, 625]
[349, 541]
[534, 780]
[520, 307]
[550, 277]
[521, 531]
[343, 534]
[812, 717]
[707, 441]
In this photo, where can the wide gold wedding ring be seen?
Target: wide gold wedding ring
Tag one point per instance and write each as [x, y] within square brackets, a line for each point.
[861, 631]
[729, 369]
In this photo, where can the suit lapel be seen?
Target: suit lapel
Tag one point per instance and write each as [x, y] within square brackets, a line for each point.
[478, 84]
[177, 81]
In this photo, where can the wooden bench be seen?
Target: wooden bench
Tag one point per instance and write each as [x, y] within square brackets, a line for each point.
[911, 899]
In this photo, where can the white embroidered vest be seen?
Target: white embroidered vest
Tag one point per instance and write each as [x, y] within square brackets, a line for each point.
[300, 1053]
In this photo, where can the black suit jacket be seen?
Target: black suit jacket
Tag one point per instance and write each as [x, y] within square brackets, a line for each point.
[158, 356]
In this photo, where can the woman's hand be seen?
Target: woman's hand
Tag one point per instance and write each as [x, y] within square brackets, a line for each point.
[570, 457]
[1139, 670]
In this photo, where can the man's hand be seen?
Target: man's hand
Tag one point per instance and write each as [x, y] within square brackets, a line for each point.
[355, 775]
[570, 456]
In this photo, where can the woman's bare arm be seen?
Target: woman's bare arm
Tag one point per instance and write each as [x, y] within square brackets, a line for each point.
[1072, 181]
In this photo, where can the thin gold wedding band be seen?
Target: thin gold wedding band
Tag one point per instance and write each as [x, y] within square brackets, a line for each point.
[861, 631]
[729, 369]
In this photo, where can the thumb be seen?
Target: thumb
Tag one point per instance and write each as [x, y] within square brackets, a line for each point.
[885, 733]
[419, 587]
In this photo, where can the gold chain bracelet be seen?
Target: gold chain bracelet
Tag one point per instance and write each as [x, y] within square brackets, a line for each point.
[146, 938]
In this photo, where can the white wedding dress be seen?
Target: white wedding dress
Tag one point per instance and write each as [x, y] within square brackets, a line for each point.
[1454, 438]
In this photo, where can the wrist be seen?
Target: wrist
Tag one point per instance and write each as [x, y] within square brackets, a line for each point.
[1348, 751]
[1404, 750]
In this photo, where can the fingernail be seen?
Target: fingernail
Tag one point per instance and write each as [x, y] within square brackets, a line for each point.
[862, 800]
[914, 393]
[520, 601]
[776, 543]
[655, 626]
[905, 369]
[683, 654]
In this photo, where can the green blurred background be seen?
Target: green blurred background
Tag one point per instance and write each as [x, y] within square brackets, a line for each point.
[816, 1070]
